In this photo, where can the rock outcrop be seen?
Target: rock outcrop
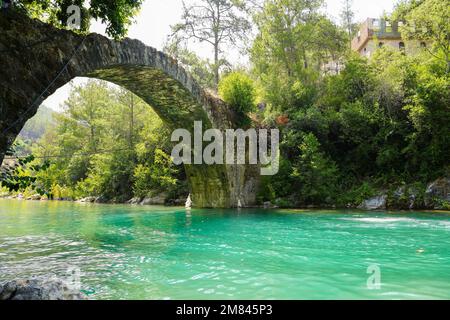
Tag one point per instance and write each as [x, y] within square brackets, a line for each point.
[416, 196]
[87, 200]
[375, 203]
[437, 194]
[38, 289]
[159, 199]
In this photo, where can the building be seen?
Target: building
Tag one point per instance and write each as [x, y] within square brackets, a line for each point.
[332, 67]
[376, 33]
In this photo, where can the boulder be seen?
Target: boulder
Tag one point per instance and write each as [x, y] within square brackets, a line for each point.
[4, 195]
[35, 197]
[38, 289]
[438, 192]
[375, 203]
[176, 202]
[159, 199]
[101, 199]
[267, 204]
[88, 200]
[404, 198]
[134, 201]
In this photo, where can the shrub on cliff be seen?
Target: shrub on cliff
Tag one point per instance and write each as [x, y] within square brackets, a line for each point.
[238, 91]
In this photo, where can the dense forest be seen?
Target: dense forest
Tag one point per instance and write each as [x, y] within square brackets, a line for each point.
[379, 124]
[107, 142]
[33, 131]
[35, 128]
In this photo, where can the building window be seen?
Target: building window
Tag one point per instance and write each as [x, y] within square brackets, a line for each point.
[380, 45]
[388, 27]
[397, 25]
[376, 25]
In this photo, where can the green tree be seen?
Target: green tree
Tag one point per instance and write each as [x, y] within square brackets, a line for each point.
[317, 175]
[293, 41]
[159, 176]
[117, 15]
[218, 23]
[201, 70]
[427, 20]
[100, 140]
[87, 109]
[347, 17]
[380, 121]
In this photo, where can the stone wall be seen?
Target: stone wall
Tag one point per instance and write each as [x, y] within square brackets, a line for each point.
[411, 47]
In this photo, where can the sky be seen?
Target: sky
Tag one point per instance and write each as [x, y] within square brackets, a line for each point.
[152, 26]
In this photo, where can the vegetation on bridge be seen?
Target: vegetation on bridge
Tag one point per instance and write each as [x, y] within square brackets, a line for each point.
[117, 15]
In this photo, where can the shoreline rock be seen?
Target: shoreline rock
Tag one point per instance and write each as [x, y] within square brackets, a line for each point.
[38, 289]
[87, 200]
[437, 194]
[159, 199]
[374, 203]
[432, 196]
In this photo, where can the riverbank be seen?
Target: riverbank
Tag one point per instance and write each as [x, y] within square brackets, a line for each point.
[431, 196]
[99, 200]
[377, 203]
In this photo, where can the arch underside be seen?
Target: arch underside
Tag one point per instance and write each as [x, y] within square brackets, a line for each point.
[170, 100]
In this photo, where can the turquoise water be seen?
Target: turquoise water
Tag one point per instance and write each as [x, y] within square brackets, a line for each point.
[126, 252]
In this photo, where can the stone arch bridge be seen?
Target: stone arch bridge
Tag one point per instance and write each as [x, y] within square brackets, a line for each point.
[36, 59]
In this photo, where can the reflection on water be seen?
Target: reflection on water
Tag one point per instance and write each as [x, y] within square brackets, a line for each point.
[127, 252]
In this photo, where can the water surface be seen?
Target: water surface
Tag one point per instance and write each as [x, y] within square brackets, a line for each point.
[126, 252]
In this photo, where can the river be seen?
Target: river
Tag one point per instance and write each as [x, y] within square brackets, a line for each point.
[136, 252]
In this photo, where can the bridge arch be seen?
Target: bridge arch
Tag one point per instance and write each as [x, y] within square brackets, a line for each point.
[37, 59]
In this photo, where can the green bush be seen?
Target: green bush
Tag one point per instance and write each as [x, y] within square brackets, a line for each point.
[277, 186]
[316, 174]
[354, 195]
[238, 91]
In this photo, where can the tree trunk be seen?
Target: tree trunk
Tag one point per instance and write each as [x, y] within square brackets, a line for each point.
[216, 47]
[216, 66]
[131, 132]
[91, 124]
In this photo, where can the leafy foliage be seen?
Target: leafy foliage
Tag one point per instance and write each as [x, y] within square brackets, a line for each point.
[117, 15]
[427, 20]
[35, 128]
[316, 175]
[218, 23]
[108, 143]
[238, 90]
[202, 70]
[379, 123]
